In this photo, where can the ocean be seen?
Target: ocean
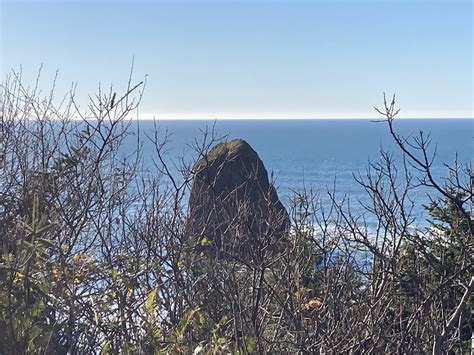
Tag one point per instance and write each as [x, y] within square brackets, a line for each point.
[321, 154]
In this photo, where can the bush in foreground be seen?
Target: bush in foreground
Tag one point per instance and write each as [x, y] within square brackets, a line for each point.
[95, 256]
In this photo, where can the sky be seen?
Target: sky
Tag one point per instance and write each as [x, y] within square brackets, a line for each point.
[251, 59]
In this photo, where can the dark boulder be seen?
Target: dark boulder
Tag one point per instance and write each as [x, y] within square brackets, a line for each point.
[234, 210]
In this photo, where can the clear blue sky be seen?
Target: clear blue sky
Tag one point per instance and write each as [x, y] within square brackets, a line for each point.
[256, 58]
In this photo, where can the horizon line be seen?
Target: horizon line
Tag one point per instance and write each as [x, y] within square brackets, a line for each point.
[145, 117]
[293, 115]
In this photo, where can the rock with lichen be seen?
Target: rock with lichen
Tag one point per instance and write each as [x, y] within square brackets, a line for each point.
[234, 209]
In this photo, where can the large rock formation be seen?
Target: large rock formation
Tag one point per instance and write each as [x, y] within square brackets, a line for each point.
[233, 208]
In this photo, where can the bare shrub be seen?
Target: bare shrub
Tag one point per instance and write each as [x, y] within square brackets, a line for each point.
[96, 256]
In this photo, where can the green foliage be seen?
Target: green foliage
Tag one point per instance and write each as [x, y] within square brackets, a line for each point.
[434, 271]
[26, 315]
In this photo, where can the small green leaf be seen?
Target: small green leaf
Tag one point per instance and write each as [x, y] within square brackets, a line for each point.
[205, 242]
[150, 303]
[198, 349]
[105, 348]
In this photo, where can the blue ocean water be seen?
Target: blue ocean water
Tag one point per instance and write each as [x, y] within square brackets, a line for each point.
[317, 153]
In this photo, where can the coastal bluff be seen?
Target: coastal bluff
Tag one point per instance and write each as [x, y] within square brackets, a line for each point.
[233, 207]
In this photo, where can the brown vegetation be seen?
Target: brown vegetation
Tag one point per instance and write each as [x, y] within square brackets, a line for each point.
[96, 256]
